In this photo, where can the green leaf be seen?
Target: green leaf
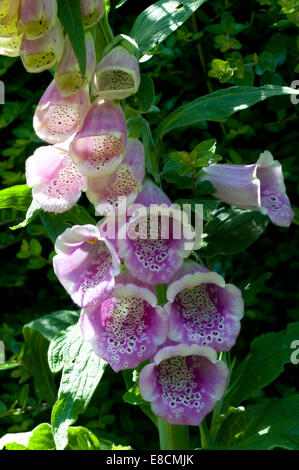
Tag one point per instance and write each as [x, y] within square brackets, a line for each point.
[33, 211]
[218, 106]
[266, 63]
[37, 335]
[37, 348]
[252, 288]
[82, 371]
[262, 426]
[55, 224]
[17, 197]
[268, 354]
[80, 438]
[142, 101]
[50, 325]
[41, 438]
[159, 20]
[69, 13]
[232, 231]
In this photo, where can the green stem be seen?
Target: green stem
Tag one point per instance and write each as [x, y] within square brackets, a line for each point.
[206, 442]
[173, 437]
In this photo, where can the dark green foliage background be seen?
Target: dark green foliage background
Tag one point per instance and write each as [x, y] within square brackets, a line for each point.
[179, 68]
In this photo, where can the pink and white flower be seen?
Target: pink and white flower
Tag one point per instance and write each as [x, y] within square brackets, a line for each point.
[126, 328]
[100, 145]
[41, 54]
[58, 118]
[183, 383]
[156, 238]
[37, 17]
[117, 76]
[92, 11]
[55, 181]
[203, 309]
[259, 186]
[86, 264]
[113, 194]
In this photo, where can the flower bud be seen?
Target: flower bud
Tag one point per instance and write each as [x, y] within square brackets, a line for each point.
[58, 117]
[9, 19]
[41, 54]
[67, 75]
[37, 17]
[117, 76]
[92, 11]
[11, 46]
[100, 145]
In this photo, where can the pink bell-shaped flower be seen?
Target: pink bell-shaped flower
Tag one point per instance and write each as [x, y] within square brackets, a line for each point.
[100, 145]
[202, 309]
[86, 264]
[41, 54]
[37, 17]
[55, 181]
[58, 118]
[259, 186]
[156, 238]
[92, 12]
[113, 194]
[67, 74]
[117, 76]
[183, 383]
[127, 327]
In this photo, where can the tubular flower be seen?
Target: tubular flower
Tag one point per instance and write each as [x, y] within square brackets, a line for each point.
[67, 75]
[183, 383]
[55, 181]
[41, 54]
[117, 76]
[37, 17]
[154, 241]
[274, 200]
[57, 117]
[99, 146]
[202, 309]
[112, 194]
[92, 11]
[127, 328]
[11, 46]
[9, 15]
[258, 186]
[85, 264]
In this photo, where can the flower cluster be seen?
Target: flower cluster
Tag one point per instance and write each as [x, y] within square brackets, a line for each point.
[113, 277]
